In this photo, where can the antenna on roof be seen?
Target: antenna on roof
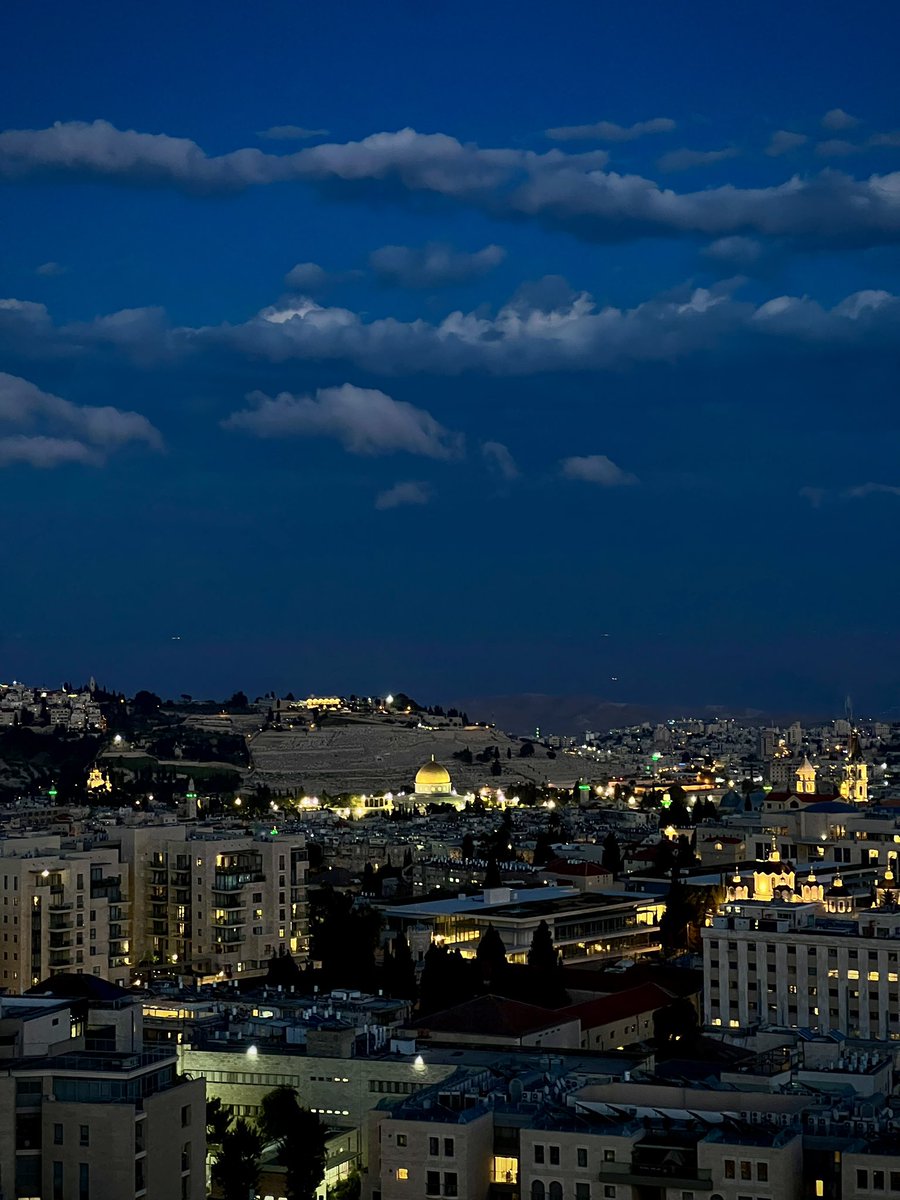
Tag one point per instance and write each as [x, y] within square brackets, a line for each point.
[848, 709]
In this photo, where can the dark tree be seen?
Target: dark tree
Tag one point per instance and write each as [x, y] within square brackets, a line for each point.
[492, 876]
[612, 854]
[677, 1022]
[218, 1119]
[447, 980]
[145, 703]
[526, 750]
[543, 955]
[238, 700]
[467, 849]
[400, 970]
[543, 848]
[236, 1167]
[301, 1141]
[490, 956]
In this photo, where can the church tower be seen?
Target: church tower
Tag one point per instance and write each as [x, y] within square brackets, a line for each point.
[856, 772]
[805, 777]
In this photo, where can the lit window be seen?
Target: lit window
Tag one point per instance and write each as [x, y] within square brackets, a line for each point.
[402, 1173]
[820, 1187]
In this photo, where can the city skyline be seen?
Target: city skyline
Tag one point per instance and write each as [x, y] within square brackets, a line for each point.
[583, 388]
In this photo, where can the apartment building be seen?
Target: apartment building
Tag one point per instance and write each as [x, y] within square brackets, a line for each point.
[85, 1110]
[823, 965]
[215, 902]
[64, 909]
[531, 1135]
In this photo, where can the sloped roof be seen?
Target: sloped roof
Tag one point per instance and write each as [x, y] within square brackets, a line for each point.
[493, 1016]
[576, 868]
[646, 997]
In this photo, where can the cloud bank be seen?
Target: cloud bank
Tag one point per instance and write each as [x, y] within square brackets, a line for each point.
[571, 192]
[53, 431]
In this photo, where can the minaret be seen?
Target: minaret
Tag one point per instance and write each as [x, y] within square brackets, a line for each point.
[856, 772]
[805, 776]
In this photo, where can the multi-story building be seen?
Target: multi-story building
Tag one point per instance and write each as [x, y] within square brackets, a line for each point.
[585, 926]
[85, 1110]
[64, 909]
[822, 965]
[214, 902]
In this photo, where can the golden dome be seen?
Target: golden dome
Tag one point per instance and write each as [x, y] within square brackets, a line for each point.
[433, 777]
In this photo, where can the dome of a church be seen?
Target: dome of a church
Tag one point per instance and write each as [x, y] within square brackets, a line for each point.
[432, 777]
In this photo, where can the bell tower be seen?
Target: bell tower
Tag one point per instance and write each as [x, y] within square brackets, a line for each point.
[855, 785]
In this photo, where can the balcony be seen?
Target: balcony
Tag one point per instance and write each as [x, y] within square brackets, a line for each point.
[642, 1172]
[234, 881]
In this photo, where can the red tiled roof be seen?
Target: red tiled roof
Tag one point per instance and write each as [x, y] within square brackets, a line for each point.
[578, 868]
[493, 1015]
[646, 997]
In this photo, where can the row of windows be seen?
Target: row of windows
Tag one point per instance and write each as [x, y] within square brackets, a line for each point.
[878, 1180]
[394, 1087]
[744, 1170]
[551, 1155]
[554, 1190]
[268, 1078]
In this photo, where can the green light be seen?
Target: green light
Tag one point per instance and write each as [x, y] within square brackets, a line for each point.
[52, 792]
[584, 787]
[273, 831]
[656, 756]
[666, 801]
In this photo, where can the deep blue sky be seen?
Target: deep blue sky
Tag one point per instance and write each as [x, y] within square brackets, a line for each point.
[654, 454]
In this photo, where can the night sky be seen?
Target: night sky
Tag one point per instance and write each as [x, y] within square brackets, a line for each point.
[458, 348]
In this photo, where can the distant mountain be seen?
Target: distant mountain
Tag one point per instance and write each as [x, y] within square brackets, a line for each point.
[572, 715]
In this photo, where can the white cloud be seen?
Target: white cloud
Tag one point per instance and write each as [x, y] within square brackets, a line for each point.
[736, 251]
[402, 494]
[562, 190]
[836, 148]
[836, 119]
[433, 265]
[500, 459]
[597, 468]
[45, 452]
[307, 277]
[861, 491]
[363, 420]
[682, 160]
[609, 131]
[49, 269]
[783, 141]
[288, 133]
[60, 431]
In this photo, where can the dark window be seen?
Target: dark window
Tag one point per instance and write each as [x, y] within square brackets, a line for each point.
[554, 1191]
[729, 1168]
[762, 1172]
[581, 1155]
[57, 1135]
[878, 1181]
[450, 1184]
[401, 1139]
[434, 1145]
[84, 1182]
[537, 1189]
[448, 1148]
[84, 1135]
[432, 1183]
[609, 1156]
[554, 1156]
[539, 1154]
[185, 1115]
[862, 1179]
[746, 1172]
[582, 1191]
[57, 1181]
